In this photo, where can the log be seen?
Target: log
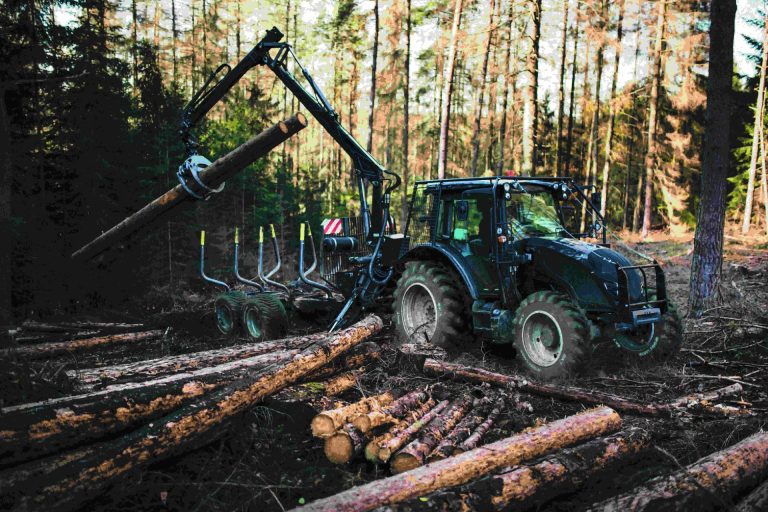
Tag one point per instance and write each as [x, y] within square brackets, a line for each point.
[471, 442]
[375, 444]
[96, 378]
[340, 383]
[403, 437]
[344, 445]
[416, 452]
[35, 429]
[328, 422]
[57, 337]
[364, 355]
[472, 464]
[708, 396]
[711, 483]
[213, 176]
[57, 348]
[755, 501]
[398, 409]
[64, 327]
[468, 373]
[459, 433]
[533, 485]
[190, 427]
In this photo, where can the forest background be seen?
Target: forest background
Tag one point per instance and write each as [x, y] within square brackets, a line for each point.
[610, 92]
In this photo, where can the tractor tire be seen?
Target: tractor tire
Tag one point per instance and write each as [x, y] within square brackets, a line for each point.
[430, 306]
[264, 318]
[227, 308]
[552, 335]
[659, 342]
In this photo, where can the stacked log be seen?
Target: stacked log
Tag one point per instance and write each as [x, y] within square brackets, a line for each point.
[402, 437]
[417, 451]
[711, 483]
[397, 410]
[73, 481]
[377, 443]
[473, 464]
[52, 349]
[460, 432]
[326, 423]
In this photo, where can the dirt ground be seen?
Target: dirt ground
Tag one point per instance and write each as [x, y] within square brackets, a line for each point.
[268, 461]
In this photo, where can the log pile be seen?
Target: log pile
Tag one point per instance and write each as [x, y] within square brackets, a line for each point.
[150, 420]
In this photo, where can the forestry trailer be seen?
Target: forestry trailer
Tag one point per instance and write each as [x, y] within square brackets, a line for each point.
[501, 259]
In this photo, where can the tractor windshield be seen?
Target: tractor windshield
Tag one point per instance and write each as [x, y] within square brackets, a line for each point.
[534, 213]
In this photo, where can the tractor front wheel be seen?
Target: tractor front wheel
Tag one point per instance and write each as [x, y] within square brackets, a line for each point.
[552, 335]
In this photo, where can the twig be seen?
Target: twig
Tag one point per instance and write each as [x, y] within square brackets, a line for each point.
[721, 377]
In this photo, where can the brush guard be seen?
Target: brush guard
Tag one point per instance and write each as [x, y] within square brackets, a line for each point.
[638, 313]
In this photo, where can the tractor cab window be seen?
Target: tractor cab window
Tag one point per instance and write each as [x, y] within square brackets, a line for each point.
[533, 213]
[466, 224]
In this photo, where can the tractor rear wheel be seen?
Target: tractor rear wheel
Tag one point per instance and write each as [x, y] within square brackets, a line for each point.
[227, 308]
[429, 306]
[552, 335]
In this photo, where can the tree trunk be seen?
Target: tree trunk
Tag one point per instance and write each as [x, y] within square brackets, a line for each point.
[571, 102]
[475, 141]
[6, 240]
[710, 483]
[715, 160]
[398, 409]
[373, 446]
[650, 155]
[327, 422]
[175, 40]
[63, 347]
[534, 485]
[459, 433]
[406, 114]
[530, 113]
[188, 428]
[471, 442]
[401, 438]
[507, 83]
[134, 47]
[369, 145]
[756, 501]
[561, 89]
[445, 116]
[416, 452]
[759, 120]
[473, 464]
[213, 176]
[612, 114]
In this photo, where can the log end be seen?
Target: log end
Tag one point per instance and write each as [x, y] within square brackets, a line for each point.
[338, 448]
[372, 452]
[322, 426]
[403, 462]
[362, 423]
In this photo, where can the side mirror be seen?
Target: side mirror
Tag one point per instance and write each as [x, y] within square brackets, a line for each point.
[462, 210]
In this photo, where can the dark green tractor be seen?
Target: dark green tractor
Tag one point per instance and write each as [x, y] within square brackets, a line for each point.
[506, 260]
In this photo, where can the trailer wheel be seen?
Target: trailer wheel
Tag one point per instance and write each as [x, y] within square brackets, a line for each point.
[264, 317]
[552, 335]
[227, 308]
[429, 306]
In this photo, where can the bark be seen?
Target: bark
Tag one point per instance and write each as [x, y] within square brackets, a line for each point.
[447, 93]
[530, 114]
[187, 428]
[363, 355]
[507, 82]
[561, 89]
[759, 120]
[715, 160]
[471, 442]
[481, 93]
[756, 501]
[30, 325]
[372, 108]
[570, 394]
[396, 410]
[571, 101]
[175, 40]
[63, 347]
[341, 383]
[327, 422]
[708, 396]
[416, 452]
[535, 484]
[613, 112]
[96, 378]
[650, 154]
[710, 483]
[401, 438]
[377, 443]
[459, 433]
[473, 464]
[221, 170]
[38, 428]
[344, 445]
[406, 113]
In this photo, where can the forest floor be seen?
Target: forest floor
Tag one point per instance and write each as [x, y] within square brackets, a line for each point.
[269, 461]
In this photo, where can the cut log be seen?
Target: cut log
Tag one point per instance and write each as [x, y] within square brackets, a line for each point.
[472, 442]
[459, 433]
[64, 327]
[756, 501]
[362, 356]
[58, 337]
[328, 422]
[398, 409]
[377, 443]
[400, 439]
[473, 464]
[468, 373]
[57, 348]
[416, 452]
[34, 429]
[213, 176]
[344, 445]
[96, 378]
[340, 383]
[708, 396]
[190, 427]
[711, 483]
[535, 484]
